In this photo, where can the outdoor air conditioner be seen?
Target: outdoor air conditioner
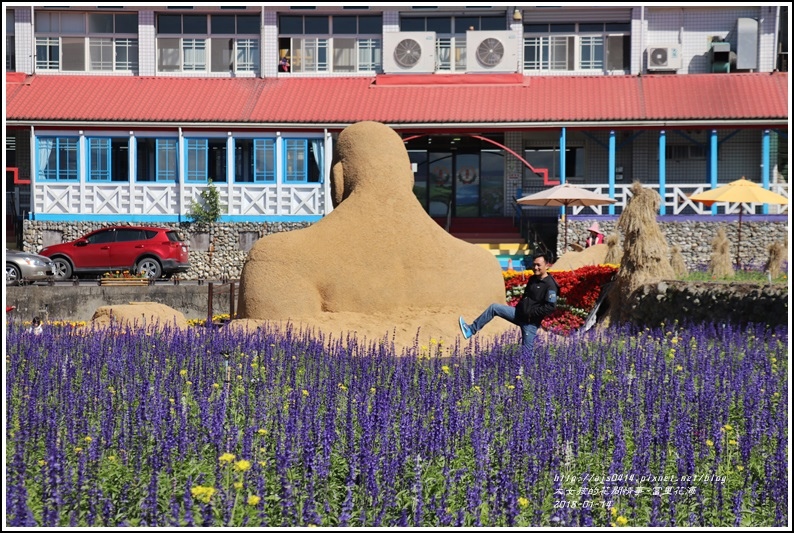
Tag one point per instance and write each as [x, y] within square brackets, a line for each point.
[491, 51]
[664, 57]
[409, 52]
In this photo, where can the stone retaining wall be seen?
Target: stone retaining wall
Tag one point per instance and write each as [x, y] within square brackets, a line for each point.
[217, 250]
[220, 249]
[693, 235]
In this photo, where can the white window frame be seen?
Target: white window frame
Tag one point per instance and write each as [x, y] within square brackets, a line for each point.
[195, 51]
[562, 51]
[53, 34]
[315, 52]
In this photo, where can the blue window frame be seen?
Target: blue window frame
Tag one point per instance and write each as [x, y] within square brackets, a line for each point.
[264, 160]
[57, 158]
[296, 167]
[196, 153]
[165, 155]
[303, 160]
[99, 159]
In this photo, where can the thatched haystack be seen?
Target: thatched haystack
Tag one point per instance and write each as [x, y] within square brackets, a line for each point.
[677, 262]
[720, 265]
[645, 250]
[614, 251]
[774, 263]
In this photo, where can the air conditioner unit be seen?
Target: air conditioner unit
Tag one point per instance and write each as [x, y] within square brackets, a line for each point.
[409, 52]
[491, 51]
[664, 57]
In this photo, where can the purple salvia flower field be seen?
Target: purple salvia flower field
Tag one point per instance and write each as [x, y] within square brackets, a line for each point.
[672, 426]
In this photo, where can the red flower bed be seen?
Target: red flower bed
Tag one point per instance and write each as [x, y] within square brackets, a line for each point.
[579, 291]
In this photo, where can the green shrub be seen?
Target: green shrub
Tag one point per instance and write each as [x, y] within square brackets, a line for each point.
[209, 210]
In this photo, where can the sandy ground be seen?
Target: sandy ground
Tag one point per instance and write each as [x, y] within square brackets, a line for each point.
[426, 329]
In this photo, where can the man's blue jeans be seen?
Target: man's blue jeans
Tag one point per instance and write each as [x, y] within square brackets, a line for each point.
[507, 312]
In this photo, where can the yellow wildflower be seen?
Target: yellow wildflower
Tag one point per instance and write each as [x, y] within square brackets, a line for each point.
[739, 468]
[709, 442]
[622, 520]
[238, 485]
[226, 457]
[523, 502]
[305, 392]
[613, 511]
[727, 427]
[732, 442]
[202, 493]
[183, 372]
[42, 462]
[216, 386]
[445, 369]
[679, 368]
[253, 499]
[88, 439]
[242, 465]
[262, 431]
[342, 387]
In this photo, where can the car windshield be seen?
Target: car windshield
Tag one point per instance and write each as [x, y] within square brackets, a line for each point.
[174, 236]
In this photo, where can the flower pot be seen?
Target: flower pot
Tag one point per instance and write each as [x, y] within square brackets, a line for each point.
[123, 282]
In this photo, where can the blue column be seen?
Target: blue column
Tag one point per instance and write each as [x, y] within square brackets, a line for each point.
[662, 169]
[713, 150]
[562, 163]
[562, 155]
[766, 165]
[611, 170]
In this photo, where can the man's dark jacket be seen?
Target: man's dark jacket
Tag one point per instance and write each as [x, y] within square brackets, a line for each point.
[539, 299]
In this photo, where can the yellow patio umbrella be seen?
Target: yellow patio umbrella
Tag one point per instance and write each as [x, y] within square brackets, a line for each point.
[741, 191]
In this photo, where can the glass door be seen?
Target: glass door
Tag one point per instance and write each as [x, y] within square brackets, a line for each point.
[467, 185]
[440, 165]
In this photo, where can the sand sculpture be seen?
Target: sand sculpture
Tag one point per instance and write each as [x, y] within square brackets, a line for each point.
[378, 252]
[144, 315]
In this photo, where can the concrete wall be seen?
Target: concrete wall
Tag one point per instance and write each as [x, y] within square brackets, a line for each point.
[78, 303]
[651, 304]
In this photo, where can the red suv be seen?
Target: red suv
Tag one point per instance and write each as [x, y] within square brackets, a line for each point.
[153, 251]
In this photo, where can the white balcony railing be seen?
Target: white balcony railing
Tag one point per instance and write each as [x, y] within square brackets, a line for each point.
[158, 199]
[309, 199]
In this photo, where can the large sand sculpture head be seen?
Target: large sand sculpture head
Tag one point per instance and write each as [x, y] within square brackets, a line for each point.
[380, 251]
[369, 155]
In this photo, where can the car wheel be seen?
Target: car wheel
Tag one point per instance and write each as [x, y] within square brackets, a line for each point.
[150, 267]
[13, 274]
[63, 268]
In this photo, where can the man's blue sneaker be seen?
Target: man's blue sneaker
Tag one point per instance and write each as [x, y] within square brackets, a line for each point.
[464, 328]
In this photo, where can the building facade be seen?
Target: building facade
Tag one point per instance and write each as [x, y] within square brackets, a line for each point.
[127, 114]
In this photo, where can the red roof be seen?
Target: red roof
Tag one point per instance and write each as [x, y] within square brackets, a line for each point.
[395, 99]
